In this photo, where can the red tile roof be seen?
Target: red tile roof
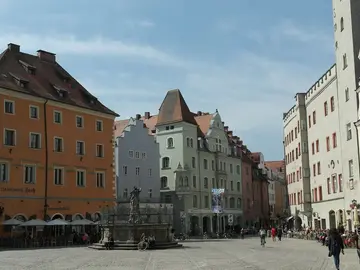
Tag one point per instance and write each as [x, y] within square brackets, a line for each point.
[120, 125]
[43, 77]
[275, 165]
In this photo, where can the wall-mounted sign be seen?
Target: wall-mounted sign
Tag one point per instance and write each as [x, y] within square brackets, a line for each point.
[22, 190]
[64, 208]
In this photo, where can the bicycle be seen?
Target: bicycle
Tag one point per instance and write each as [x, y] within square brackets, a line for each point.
[143, 245]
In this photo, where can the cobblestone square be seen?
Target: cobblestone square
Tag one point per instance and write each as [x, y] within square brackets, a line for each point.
[222, 254]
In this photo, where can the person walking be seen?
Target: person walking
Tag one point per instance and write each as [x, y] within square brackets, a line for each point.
[279, 233]
[335, 246]
[273, 234]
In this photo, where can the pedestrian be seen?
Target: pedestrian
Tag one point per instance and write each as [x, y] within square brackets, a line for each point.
[335, 246]
[273, 233]
[279, 233]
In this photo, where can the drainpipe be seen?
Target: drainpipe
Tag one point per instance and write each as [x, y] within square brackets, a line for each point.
[46, 162]
[200, 186]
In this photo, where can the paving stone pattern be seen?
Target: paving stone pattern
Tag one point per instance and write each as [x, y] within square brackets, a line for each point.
[245, 254]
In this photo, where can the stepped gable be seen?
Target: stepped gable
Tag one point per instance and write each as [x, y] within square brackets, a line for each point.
[174, 109]
[41, 76]
[149, 121]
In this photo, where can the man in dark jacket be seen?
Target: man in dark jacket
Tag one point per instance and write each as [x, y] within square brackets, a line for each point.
[279, 233]
[336, 246]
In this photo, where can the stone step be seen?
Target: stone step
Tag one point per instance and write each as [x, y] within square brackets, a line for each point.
[130, 246]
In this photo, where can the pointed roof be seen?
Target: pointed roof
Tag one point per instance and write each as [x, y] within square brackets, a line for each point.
[174, 109]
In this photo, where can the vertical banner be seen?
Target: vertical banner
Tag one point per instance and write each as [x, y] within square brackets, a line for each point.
[217, 195]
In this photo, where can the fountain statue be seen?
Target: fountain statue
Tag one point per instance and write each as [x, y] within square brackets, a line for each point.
[134, 217]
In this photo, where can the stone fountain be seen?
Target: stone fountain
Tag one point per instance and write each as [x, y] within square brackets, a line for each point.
[126, 229]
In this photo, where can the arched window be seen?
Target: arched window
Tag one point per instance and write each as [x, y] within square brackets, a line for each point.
[188, 142]
[186, 183]
[195, 201]
[206, 182]
[164, 182]
[181, 183]
[341, 24]
[239, 203]
[191, 143]
[165, 163]
[232, 202]
[170, 143]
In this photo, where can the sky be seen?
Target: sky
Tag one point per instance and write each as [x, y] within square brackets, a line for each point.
[246, 58]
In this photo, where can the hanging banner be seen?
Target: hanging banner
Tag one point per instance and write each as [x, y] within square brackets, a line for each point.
[216, 200]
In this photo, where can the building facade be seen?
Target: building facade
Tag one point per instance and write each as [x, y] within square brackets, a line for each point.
[326, 147]
[249, 214]
[137, 160]
[56, 153]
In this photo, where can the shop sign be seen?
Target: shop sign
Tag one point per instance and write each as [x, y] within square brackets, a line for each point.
[22, 190]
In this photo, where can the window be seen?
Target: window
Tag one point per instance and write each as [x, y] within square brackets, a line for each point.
[326, 110]
[314, 117]
[99, 125]
[125, 193]
[79, 121]
[194, 181]
[80, 148]
[313, 148]
[206, 201]
[193, 162]
[340, 183]
[351, 168]
[9, 107]
[314, 169]
[191, 143]
[80, 178]
[9, 137]
[195, 201]
[99, 150]
[137, 171]
[238, 186]
[328, 185]
[238, 169]
[100, 179]
[165, 163]
[334, 183]
[232, 202]
[186, 180]
[170, 143]
[334, 140]
[348, 131]
[137, 154]
[309, 121]
[34, 112]
[29, 174]
[59, 176]
[296, 132]
[328, 143]
[58, 144]
[317, 146]
[320, 193]
[342, 24]
[143, 155]
[188, 142]
[347, 94]
[150, 193]
[231, 168]
[35, 141]
[4, 171]
[213, 165]
[206, 182]
[125, 170]
[318, 168]
[332, 104]
[131, 154]
[163, 182]
[57, 117]
[205, 164]
[344, 61]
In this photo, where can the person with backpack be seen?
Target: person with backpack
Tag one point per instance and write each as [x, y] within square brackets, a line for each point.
[335, 246]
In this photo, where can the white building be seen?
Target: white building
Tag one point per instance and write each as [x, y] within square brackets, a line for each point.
[198, 153]
[321, 146]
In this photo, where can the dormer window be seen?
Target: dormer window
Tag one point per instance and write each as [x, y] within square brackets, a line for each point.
[29, 68]
[19, 81]
[61, 91]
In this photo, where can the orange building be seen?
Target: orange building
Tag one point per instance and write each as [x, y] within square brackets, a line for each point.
[56, 147]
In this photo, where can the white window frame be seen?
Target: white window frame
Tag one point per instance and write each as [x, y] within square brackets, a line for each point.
[103, 178]
[143, 155]
[149, 172]
[35, 133]
[13, 104]
[82, 121]
[24, 173]
[54, 118]
[9, 129]
[7, 172]
[37, 112]
[62, 170]
[102, 125]
[102, 152]
[131, 154]
[76, 149]
[348, 131]
[351, 168]
[137, 154]
[77, 177]
[62, 144]
[137, 171]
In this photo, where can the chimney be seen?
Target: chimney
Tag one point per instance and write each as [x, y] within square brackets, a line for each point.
[138, 116]
[223, 123]
[147, 115]
[46, 56]
[13, 47]
[199, 113]
[226, 128]
[230, 133]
